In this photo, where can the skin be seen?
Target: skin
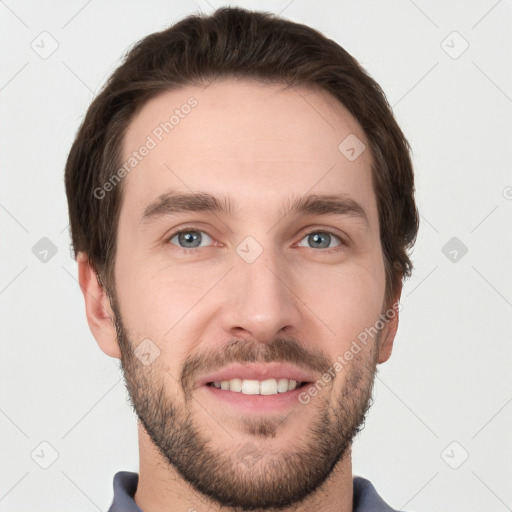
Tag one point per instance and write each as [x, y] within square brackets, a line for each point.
[260, 144]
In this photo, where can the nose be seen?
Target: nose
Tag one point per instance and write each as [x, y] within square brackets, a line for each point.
[262, 302]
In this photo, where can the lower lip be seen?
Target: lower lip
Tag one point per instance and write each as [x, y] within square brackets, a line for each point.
[257, 403]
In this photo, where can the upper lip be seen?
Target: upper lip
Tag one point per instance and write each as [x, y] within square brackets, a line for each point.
[258, 371]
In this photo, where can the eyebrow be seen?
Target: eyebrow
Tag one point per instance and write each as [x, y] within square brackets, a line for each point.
[174, 203]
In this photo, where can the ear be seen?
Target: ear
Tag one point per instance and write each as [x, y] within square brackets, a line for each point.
[100, 316]
[389, 331]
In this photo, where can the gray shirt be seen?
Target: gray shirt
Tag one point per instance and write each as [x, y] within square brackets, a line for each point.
[365, 497]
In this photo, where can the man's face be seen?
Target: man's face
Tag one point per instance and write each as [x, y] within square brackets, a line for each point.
[256, 294]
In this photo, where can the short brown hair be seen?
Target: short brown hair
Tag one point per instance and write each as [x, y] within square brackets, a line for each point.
[234, 42]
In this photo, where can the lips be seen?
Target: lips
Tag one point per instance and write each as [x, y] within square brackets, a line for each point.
[258, 371]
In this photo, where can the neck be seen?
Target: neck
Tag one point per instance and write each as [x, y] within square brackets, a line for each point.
[162, 489]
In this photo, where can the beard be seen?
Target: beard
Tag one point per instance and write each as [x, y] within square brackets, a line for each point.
[247, 478]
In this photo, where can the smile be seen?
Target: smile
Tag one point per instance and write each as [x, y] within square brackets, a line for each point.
[257, 387]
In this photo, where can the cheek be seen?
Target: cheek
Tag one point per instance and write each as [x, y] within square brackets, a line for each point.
[348, 300]
[160, 300]
[140, 299]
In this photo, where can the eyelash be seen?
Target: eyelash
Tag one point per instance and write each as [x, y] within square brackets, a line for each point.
[339, 248]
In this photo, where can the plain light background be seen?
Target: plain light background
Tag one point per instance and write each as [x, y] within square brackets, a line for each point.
[438, 435]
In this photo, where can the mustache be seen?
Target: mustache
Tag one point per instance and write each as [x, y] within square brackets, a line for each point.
[280, 350]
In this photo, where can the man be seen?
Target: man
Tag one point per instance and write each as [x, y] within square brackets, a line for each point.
[241, 205]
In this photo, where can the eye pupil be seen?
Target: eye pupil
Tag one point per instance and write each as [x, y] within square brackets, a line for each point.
[187, 237]
[316, 238]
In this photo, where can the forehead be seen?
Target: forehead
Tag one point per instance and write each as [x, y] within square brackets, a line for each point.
[255, 141]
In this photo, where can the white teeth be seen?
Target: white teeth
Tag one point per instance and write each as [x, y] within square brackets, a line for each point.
[235, 385]
[282, 385]
[268, 387]
[256, 387]
[250, 387]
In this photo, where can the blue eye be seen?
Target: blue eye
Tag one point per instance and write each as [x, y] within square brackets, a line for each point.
[321, 239]
[189, 238]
